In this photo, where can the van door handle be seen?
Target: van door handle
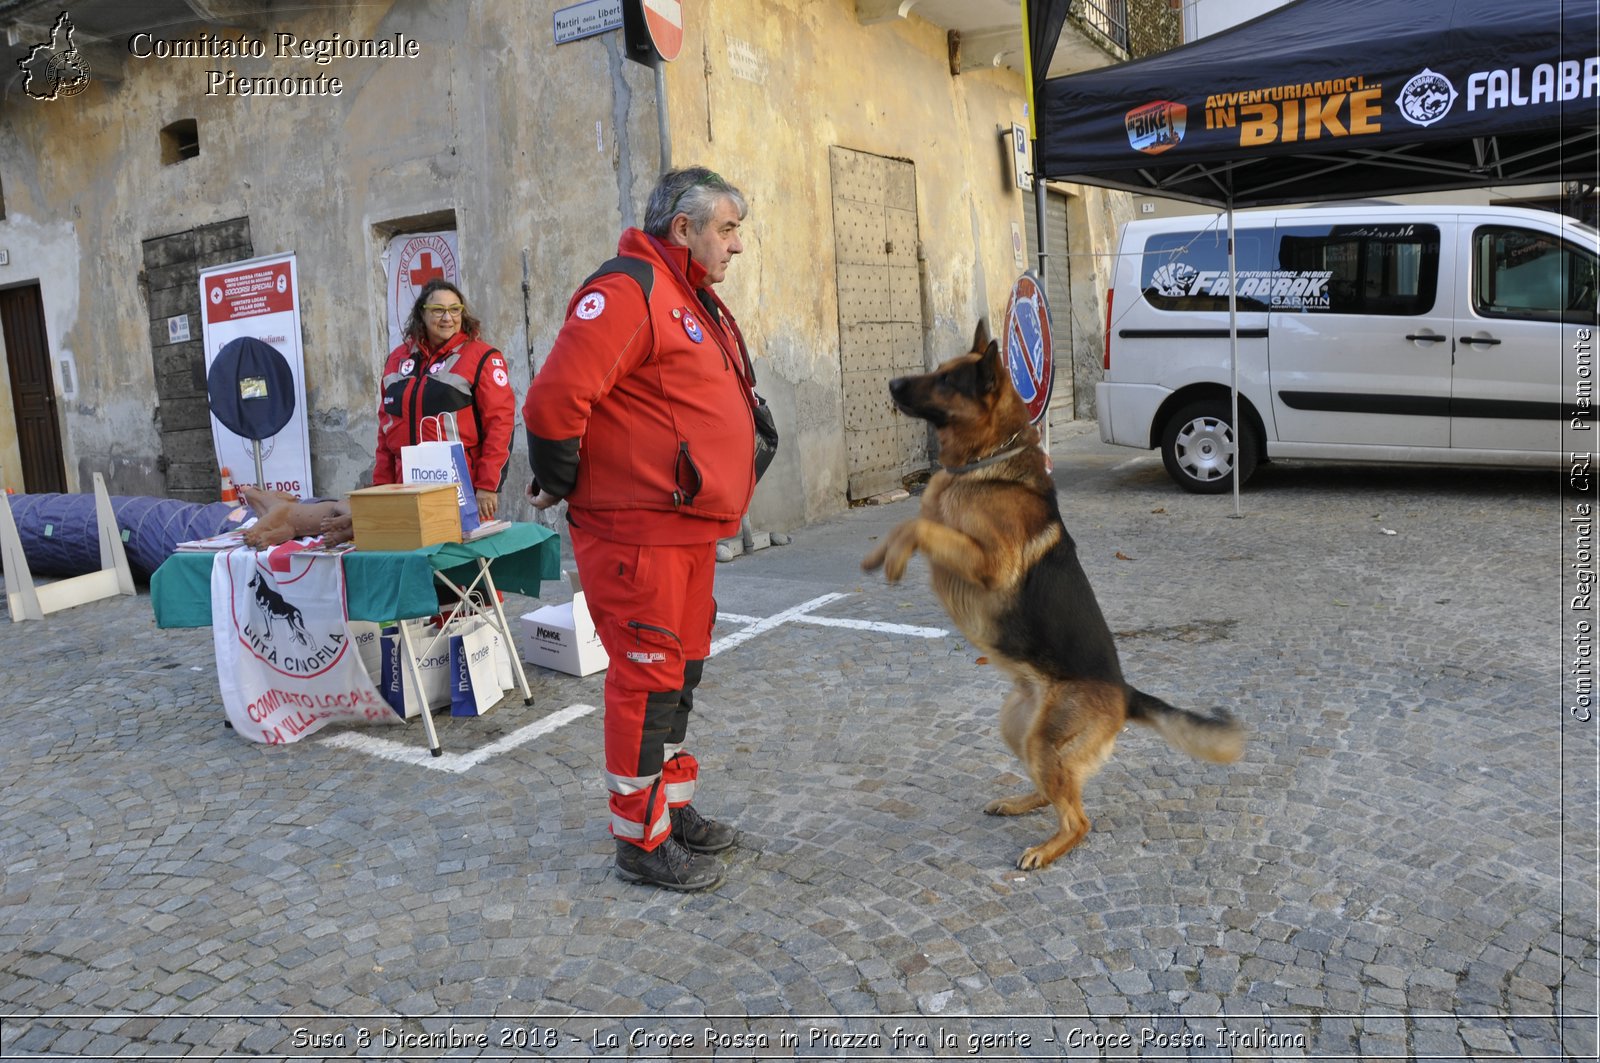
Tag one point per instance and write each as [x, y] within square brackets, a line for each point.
[1487, 342]
[1424, 337]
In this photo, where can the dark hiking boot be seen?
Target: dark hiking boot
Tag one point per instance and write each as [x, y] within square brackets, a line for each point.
[669, 865]
[699, 834]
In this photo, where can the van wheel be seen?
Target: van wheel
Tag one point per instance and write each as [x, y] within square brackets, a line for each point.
[1198, 448]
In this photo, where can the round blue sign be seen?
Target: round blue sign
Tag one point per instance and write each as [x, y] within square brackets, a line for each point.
[1030, 359]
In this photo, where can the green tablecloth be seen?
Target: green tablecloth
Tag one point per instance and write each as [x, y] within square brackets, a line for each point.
[380, 584]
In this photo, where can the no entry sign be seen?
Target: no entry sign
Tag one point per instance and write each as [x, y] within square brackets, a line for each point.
[1026, 345]
[665, 19]
[653, 30]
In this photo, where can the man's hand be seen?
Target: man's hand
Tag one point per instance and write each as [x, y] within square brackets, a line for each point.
[542, 500]
[488, 503]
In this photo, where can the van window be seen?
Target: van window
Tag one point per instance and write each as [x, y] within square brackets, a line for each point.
[1389, 270]
[1189, 270]
[1522, 273]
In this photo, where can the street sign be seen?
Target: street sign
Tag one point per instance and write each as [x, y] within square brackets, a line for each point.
[585, 19]
[1025, 343]
[665, 19]
[652, 30]
[1021, 159]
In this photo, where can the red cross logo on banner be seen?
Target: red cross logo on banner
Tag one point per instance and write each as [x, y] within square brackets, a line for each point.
[278, 556]
[425, 270]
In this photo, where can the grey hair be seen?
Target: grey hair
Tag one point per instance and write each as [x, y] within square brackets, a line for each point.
[693, 191]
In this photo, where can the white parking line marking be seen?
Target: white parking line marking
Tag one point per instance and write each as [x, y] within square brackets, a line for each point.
[456, 763]
[728, 642]
[880, 626]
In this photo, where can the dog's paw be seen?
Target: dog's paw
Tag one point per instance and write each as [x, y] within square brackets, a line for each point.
[894, 552]
[1035, 857]
[894, 567]
[1014, 806]
[902, 544]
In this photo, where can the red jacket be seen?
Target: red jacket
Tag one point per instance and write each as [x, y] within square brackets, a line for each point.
[466, 377]
[642, 417]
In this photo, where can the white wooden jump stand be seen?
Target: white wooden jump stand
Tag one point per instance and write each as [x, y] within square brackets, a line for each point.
[27, 602]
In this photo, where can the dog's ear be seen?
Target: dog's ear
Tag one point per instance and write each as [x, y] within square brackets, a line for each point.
[990, 370]
[980, 338]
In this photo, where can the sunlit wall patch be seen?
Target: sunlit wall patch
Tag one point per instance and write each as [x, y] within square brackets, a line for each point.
[1154, 127]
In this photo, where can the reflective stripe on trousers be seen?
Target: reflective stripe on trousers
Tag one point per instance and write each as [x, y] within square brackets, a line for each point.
[653, 610]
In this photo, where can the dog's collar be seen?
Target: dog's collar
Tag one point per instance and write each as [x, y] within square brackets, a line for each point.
[1007, 451]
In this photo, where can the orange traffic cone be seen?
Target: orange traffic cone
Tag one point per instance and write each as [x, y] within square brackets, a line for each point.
[229, 493]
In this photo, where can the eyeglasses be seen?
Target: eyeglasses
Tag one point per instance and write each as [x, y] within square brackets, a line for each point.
[444, 311]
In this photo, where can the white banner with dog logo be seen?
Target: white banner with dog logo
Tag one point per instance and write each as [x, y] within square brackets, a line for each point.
[286, 659]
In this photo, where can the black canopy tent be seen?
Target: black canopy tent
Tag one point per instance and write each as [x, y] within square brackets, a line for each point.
[1334, 99]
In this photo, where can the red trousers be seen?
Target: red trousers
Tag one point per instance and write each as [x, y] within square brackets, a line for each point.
[653, 610]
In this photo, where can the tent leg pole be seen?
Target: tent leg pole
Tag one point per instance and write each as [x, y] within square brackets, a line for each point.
[1039, 218]
[1233, 358]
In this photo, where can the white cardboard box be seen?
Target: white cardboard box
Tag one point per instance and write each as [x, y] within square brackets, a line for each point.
[562, 636]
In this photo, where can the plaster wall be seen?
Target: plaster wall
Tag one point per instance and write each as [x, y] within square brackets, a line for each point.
[36, 251]
[527, 145]
[762, 90]
[539, 153]
[56, 183]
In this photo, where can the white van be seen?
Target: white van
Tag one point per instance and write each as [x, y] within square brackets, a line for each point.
[1460, 335]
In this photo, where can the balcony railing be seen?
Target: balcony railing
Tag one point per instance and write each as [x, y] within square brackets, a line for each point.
[1128, 29]
[1104, 21]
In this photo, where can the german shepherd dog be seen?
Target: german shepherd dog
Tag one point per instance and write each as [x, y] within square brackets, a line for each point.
[274, 606]
[1007, 571]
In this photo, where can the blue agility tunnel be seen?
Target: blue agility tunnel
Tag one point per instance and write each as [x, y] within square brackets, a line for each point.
[61, 536]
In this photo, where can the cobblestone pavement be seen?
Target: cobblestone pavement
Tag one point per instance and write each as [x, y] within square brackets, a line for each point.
[1402, 865]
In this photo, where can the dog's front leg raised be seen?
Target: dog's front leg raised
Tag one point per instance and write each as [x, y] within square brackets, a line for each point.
[944, 546]
[957, 553]
[895, 551]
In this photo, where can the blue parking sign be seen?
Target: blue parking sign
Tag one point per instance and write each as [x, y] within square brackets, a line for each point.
[1028, 353]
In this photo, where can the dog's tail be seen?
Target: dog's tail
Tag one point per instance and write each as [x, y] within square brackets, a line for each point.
[1218, 738]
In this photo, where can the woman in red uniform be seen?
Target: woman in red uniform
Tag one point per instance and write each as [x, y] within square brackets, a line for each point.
[443, 367]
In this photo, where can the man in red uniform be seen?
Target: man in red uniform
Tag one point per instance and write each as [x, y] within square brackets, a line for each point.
[643, 419]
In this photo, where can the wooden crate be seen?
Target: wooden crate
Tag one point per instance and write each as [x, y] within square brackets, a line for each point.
[405, 516]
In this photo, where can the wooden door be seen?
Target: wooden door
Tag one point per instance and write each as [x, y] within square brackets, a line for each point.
[33, 391]
[880, 314]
